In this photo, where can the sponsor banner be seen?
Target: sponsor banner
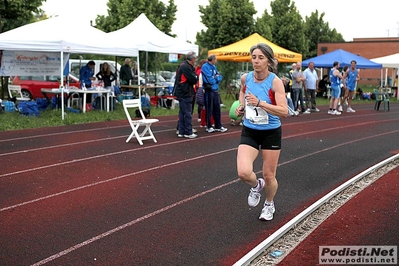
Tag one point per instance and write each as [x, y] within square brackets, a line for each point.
[25, 63]
[365, 255]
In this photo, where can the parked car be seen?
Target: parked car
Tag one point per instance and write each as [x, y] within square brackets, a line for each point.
[31, 85]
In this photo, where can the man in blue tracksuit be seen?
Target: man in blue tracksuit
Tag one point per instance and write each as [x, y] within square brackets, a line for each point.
[210, 82]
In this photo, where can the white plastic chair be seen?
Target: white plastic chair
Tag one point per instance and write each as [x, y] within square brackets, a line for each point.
[15, 90]
[136, 123]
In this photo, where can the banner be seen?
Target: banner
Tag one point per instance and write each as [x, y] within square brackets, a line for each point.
[21, 63]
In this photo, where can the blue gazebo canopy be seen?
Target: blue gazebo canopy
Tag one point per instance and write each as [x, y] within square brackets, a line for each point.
[343, 57]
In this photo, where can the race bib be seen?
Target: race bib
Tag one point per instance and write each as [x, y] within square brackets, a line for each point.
[256, 115]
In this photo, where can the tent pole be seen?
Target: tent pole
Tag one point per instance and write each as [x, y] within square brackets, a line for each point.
[62, 84]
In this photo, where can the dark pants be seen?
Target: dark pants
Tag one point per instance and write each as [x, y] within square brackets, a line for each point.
[212, 108]
[184, 125]
[310, 98]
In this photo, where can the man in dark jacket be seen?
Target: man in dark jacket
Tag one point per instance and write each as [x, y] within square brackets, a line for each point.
[186, 78]
[125, 74]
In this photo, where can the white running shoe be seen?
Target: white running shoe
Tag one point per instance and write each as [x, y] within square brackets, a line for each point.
[350, 110]
[210, 130]
[316, 110]
[192, 136]
[254, 195]
[340, 108]
[330, 112]
[222, 129]
[336, 112]
[307, 111]
[267, 212]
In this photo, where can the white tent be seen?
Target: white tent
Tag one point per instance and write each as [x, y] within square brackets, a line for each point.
[389, 61]
[147, 37]
[64, 36]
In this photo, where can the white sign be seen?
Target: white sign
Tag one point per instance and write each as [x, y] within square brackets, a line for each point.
[21, 63]
[367, 255]
[173, 58]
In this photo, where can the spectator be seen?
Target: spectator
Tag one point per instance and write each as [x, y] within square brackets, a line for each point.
[135, 74]
[125, 74]
[342, 101]
[107, 76]
[310, 86]
[186, 78]
[211, 79]
[322, 87]
[336, 80]
[291, 110]
[86, 74]
[297, 84]
[262, 102]
[351, 77]
[200, 93]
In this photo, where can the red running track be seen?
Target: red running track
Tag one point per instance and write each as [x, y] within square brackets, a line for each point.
[371, 218]
[81, 195]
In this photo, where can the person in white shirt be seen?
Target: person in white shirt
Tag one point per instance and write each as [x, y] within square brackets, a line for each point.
[310, 86]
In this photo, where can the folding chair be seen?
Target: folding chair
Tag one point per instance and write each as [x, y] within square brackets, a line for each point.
[136, 123]
[15, 91]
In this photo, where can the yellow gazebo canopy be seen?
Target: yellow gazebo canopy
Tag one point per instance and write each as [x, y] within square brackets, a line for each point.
[239, 51]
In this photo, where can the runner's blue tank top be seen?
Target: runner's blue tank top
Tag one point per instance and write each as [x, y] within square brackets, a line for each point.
[264, 92]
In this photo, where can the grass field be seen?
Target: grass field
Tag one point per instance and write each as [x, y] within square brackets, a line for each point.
[50, 117]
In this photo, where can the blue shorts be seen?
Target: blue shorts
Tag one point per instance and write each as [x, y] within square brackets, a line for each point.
[266, 139]
[335, 91]
[351, 87]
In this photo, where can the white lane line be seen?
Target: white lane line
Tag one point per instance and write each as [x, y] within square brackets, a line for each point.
[113, 179]
[109, 154]
[142, 218]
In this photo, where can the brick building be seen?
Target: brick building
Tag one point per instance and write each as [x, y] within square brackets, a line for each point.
[368, 48]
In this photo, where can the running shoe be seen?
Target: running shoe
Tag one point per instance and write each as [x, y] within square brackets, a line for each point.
[340, 108]
[316, 110]
[267, 212]
[350, 110]
[336, 112]
[192, 136]
[210, 130]
[330, 112]
[307, 111]
[254, 195]
[222, 129]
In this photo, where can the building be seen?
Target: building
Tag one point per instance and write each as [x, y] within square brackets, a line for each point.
[368, 48]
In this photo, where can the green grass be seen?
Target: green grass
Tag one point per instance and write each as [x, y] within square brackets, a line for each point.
[49, 118]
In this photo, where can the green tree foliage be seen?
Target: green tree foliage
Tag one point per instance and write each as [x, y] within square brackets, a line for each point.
[288, 27]
[316, 31]
[122, 12]
[227, 21]
[263, 26]
[16, 13]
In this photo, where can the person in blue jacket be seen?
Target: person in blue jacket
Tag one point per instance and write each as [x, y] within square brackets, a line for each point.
[86, 74]
[210, 82]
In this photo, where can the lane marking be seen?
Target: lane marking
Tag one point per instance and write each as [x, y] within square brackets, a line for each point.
[156, 146]
[258, 249]
[142, 218]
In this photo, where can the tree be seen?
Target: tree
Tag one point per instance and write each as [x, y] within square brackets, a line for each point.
[263, 26]
[316, 30]
[227, 22]
[122, 12]
[16, 13]
[288, 26]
